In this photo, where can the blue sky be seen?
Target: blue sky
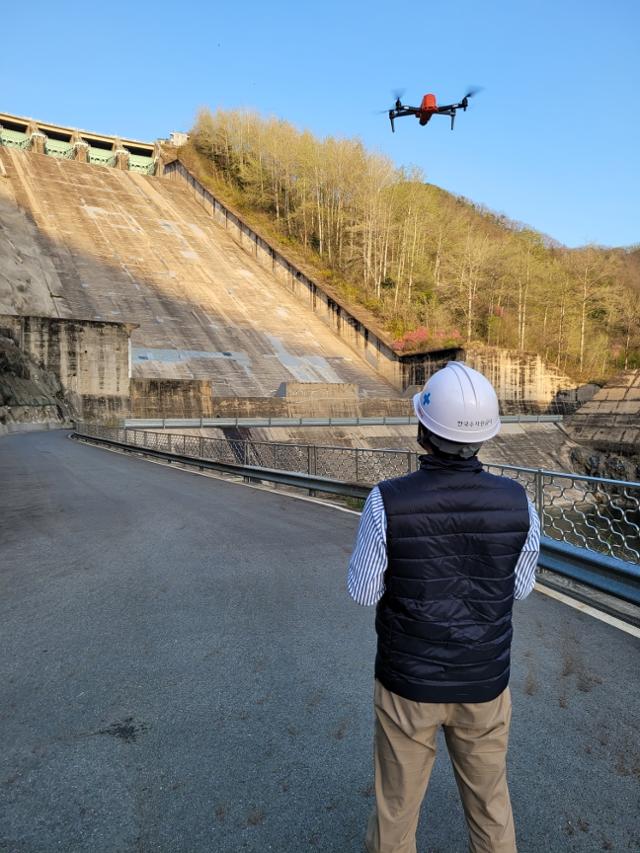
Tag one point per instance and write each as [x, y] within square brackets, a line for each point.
[552, 141]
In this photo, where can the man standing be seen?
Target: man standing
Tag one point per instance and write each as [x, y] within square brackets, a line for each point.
[443, 552]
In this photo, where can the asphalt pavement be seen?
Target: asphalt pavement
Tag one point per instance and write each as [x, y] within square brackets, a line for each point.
[182, 670]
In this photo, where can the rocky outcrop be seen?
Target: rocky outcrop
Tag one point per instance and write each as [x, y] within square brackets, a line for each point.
[611, 466]
[523, 381]
[28, 394]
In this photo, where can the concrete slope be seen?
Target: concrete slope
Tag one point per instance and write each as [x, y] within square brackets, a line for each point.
[610, 421]
[183, 671]
[112, 245]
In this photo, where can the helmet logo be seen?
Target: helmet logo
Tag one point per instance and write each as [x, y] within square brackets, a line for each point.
[426, 398]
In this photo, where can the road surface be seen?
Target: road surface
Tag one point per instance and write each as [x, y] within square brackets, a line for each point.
[182, 670]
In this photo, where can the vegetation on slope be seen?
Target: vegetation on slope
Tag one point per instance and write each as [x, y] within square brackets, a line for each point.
[434, 269]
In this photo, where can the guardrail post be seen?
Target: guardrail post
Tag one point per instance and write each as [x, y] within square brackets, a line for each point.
[201, 447]
[539, 481]
[356, 460]
[312, 465]
[409, 458]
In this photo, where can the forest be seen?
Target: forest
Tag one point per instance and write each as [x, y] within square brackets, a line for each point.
[434, 269]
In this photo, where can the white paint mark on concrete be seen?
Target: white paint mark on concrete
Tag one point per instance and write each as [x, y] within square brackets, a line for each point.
[304, 368]
[174, 356]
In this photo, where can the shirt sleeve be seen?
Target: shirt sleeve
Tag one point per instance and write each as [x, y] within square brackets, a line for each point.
[368, 563]
[528, 559]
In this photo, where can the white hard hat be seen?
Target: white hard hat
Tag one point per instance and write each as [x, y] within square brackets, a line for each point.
[459, 404]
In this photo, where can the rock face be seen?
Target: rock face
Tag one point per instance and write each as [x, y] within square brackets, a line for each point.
[610, 421]
[611, 466]
[28, 394]
[523, 382]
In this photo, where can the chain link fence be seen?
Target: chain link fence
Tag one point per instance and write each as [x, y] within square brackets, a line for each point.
[589, 512]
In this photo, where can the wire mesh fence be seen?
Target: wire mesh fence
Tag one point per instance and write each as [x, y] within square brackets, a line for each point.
[589, 512]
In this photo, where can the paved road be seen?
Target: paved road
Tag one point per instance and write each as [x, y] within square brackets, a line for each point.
[182, 671]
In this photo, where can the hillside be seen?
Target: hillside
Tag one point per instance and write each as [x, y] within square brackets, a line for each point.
[433, 269]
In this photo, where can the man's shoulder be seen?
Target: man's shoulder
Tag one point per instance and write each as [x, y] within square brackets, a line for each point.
[400, 488]
[507, 484]
[398, 485]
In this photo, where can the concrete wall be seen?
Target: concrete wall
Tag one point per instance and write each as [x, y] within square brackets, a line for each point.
[89, 358]
[172, 398]
[166, 398]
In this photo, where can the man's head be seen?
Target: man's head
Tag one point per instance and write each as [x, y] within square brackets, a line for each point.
[457, 411]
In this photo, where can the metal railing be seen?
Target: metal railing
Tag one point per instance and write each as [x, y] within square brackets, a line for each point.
[588, 512]
[381, 420]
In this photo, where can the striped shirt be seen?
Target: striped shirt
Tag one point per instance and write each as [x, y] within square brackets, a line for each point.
[368, 563]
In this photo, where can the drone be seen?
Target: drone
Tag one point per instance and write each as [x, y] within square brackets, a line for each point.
[428, 108]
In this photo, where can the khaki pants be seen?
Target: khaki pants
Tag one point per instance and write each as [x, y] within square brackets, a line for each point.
[405, 748]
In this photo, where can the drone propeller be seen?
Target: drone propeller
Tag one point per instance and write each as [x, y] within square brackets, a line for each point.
[397, 103]
[473, 91]
[397, 97]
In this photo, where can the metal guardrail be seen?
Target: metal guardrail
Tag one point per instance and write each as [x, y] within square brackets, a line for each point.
[607, 574]
[601, 516]
[385, 420]
[249, 472]
[598, 571]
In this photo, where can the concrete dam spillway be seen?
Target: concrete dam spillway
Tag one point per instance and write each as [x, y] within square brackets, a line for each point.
[213, 312]
[86, 242]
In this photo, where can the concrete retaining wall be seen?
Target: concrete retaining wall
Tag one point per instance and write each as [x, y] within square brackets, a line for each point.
[89, 358]
[162, 398]
[176, 398]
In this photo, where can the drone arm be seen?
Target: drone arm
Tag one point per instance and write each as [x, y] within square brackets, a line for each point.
[449, 111]
[399, 112]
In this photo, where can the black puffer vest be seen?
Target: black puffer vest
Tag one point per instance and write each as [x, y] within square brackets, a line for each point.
[454, 534]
